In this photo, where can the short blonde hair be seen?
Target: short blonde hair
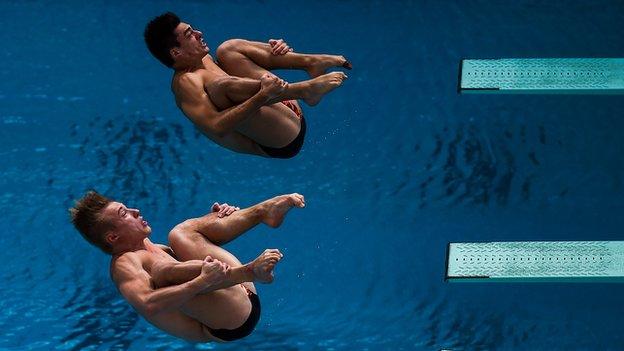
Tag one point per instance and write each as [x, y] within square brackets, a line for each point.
[86, 217]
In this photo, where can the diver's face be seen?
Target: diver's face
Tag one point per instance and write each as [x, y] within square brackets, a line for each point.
[191, 41]
[128, 224]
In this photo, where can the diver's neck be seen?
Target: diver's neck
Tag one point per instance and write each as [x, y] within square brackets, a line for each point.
[141, 245]
[188, 66]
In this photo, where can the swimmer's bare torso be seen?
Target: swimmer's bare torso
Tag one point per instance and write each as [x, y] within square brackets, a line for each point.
[209, 90]
[227, 308]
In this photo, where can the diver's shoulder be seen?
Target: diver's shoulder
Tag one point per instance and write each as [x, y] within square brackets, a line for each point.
[127, 263]
[186, 77]
[129, 257]
[183, 80]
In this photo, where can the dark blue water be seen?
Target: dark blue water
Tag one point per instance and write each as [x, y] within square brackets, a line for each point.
[395, 166]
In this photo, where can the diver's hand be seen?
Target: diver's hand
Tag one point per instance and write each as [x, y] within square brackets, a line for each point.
[213, 272]
[272, 86]
[224, 210]
[279, 47]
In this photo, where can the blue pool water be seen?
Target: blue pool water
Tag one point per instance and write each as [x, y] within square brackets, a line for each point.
[395, 166]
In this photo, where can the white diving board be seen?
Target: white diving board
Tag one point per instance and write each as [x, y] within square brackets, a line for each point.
[536, 261]
[542, 76]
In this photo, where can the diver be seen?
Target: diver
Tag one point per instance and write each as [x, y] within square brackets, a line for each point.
[237, 102]
[193, 288]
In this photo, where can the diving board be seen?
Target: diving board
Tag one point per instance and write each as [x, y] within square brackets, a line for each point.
[542, 76]
[546, 261]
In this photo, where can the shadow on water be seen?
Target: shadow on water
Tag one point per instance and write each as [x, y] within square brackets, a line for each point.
[469, 165]
[99, 316]
[135, 156]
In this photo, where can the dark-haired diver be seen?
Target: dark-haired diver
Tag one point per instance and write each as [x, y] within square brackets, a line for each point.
[193, 288]
[237, 102]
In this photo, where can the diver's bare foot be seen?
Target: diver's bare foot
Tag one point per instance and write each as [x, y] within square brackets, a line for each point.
[322, 85]
[321, 63]
[277, 207]
[262, 267]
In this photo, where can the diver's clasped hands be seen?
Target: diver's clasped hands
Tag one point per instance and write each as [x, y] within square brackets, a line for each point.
[213, 272]
[272, 86]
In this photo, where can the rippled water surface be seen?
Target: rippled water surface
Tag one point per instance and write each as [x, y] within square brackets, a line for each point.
[395, 166]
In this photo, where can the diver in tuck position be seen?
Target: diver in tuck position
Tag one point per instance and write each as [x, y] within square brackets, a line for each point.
[237, 102]
[193, 288]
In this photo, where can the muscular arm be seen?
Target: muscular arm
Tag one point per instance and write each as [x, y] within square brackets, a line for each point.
[134, 284]
[220, 126]
[167, 249]
[175, 273]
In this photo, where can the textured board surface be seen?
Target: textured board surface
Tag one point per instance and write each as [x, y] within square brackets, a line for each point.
[536, 261]
[551, 75]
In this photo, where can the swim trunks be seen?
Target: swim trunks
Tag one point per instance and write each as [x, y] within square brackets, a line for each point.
[247, 327]
[293, 148]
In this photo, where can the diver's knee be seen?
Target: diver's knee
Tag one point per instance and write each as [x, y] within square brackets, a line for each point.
[179, 234]
[230, 46]
[186, 233]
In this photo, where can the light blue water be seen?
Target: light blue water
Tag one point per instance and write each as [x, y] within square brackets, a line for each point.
[395, 166]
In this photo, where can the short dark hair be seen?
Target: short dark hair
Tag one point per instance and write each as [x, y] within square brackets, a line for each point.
[86, 217]
[160, 38]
